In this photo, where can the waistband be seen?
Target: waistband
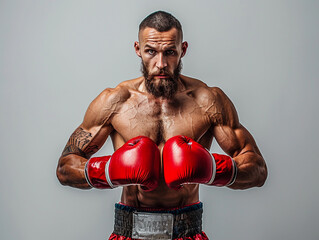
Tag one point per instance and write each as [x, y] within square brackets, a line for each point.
[187, 220]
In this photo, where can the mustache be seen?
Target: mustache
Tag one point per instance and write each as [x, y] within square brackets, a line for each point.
[161, 72]
[172, 76]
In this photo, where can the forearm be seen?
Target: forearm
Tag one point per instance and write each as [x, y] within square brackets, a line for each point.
[70, 171]
[251, 171]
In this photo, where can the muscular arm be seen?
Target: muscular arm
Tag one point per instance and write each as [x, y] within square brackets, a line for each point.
[86, 140]
[237, 142]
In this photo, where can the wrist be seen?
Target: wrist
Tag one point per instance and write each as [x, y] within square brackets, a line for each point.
[234, 174]
[96, 172]
[225, 170]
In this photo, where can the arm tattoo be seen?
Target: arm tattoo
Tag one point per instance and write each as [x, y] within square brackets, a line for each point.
[80, 138]
[71, 149]
[78, 142]
[90, 150]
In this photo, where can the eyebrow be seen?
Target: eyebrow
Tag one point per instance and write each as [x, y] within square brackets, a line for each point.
[148, 46]
[168, 48]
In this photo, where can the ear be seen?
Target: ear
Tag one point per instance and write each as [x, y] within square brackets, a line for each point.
[184, 48]
[137, 48]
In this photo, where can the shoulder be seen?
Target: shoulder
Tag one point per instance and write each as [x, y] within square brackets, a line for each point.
[200, 87]
[219, 94]
[112, 95]
[225, 108]
[215, 102]
[108, 102]
[120, 94]
[211, 94]
[192, 83]
[202, 92]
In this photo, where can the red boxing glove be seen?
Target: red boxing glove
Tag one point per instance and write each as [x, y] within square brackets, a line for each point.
[136, 162]
[186, 161]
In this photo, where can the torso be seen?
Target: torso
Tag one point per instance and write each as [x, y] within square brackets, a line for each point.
[142, 114]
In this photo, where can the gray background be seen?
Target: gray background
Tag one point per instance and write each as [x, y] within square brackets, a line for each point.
[56, 56]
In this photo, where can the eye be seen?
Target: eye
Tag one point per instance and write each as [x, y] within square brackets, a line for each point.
[170, 52]
[150, 51]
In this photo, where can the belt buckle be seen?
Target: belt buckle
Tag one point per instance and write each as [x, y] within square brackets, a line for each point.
[152, 225]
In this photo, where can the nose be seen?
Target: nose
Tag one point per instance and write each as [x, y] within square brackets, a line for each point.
[161, 61]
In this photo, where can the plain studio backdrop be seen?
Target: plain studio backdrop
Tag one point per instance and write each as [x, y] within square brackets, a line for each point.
[57, 56]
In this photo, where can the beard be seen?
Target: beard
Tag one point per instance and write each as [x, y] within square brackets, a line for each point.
[166, 87]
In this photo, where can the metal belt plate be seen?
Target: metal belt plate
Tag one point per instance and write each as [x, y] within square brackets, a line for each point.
[152, 225]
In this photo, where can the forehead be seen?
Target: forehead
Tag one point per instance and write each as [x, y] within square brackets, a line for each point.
[152, 36]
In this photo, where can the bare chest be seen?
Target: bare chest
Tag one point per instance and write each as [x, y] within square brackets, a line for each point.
[161, 120]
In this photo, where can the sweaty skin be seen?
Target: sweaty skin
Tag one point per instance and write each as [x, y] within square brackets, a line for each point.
[129, 110]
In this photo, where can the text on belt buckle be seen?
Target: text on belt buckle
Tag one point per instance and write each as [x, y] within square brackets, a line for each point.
[152, 225]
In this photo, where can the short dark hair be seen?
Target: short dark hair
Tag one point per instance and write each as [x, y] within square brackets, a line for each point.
[162, 22]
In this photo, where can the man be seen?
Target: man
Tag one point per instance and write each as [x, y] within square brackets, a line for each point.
[161, 125]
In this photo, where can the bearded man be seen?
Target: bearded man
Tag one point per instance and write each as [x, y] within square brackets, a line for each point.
[161, 125]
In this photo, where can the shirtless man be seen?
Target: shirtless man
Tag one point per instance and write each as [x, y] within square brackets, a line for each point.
[161, 108]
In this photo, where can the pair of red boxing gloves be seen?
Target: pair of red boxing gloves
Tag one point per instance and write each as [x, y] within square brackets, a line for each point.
[138, 162]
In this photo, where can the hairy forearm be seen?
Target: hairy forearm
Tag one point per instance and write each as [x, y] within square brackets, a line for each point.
[252, 171]
[70, 171]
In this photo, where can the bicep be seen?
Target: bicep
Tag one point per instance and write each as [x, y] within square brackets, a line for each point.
[235, 140]
[232, 137]
[90, 136]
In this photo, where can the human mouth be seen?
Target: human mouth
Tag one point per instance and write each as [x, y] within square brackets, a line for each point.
[161, 76]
